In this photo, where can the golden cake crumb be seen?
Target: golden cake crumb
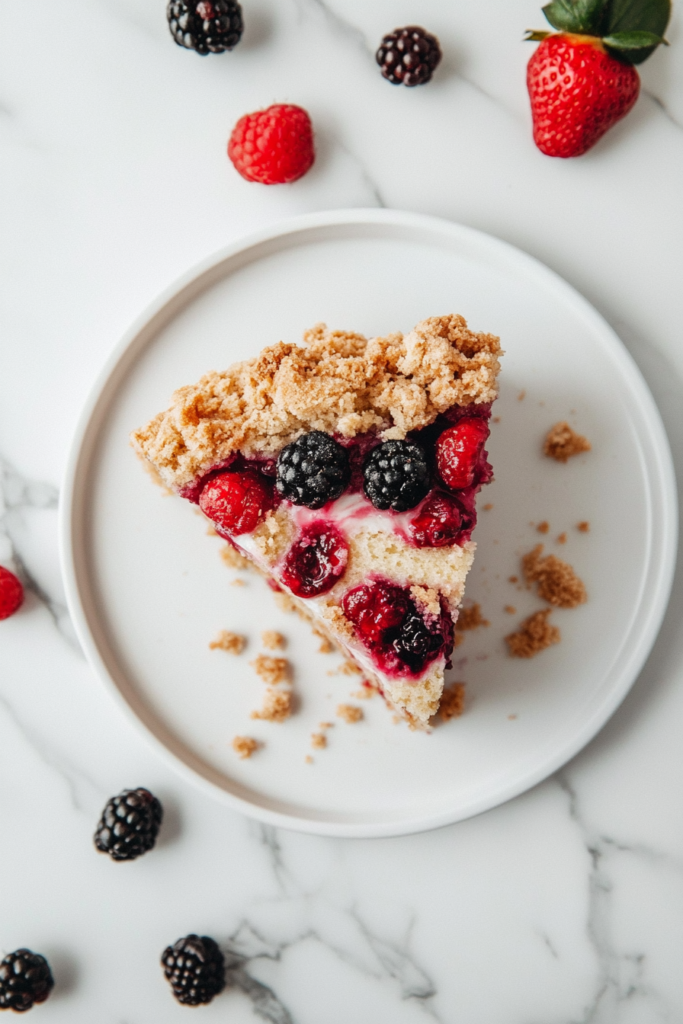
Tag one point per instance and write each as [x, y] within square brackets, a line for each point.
[533, 636]
[308, 759]
[488, 507]
[583, 527]
[349, 713]
[561, 443]
[470, 617]
[348, 668]
[561, 538]
[318, 740]
[522, 395]
[543, 527]
[510, 609]
[272, 640]
[244, 746]
[271, 670]
[237, 582]
[365, 693]
[233, 558]
[496, 419]
[277, 706]
[452, 702]
[511, 718]
[233, 643]
[513, 579]
[211, 530]
[557, 582]
[326, 725]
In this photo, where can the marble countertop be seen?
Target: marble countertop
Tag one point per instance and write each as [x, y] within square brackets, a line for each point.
[566, 904]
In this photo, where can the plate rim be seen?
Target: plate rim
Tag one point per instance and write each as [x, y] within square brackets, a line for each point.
[662, 496]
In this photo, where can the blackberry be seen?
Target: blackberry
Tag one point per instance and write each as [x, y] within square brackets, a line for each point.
[195, 967]
[25, 979]
[408, 55]
[129, 824]
[416, 645]
[396, 475]
[207, 26]
[312, 470]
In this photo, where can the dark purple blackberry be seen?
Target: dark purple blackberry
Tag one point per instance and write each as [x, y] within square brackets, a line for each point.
[408, 56]
[312, 470]
[396, 475]
[207, 26]
[25, 979]
[129, 824]
[416, 645]
[195, 967]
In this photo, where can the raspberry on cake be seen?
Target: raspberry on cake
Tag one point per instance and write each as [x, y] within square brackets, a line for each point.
[347, 470]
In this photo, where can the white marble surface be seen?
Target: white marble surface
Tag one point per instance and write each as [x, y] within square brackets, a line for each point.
[566, 905]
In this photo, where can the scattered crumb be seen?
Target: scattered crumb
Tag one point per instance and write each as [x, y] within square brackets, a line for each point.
[277, 706]
[308, 759]
[452, 702]
[318, 740]
[562, 538]
[244, 746]
[510, 609]
[583, 527]
[326, 645]
[271, 670]
[233, 643]
[284, 602]
[233, 558]
[561, 442]
[470, 617]
[513, 579]
[348, 668]
[557, 582]
[543, 527]
[349, 713]
[511, 718]
[396, 719]
[365, 693]
[237, 582]
[272, 640]
[326, 725]
[496, 419]
[522, 395]
[211, 531]
[533, 636]
[488, 507]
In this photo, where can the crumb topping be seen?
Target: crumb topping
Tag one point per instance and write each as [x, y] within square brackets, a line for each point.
[233, 643]
[533, 636]
[336, 382]
[349, 713]
[561, 443]
[244, 746]
[271, 670]
[272, 640]
[470, 617]
[557, 582]
[277, 706]
[318, 740]
[452, 702]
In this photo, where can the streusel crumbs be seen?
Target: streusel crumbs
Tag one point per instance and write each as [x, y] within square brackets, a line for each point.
[533, 636]
[470, 617]
[233, 643]
[561, 443]
[271, 670]
[349, 713]
[272, 640]
[277, 706]
[557, 582]
[318, 740]
[244, 746]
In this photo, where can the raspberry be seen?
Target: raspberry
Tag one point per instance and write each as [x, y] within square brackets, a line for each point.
[396, 475]
[458, 451]
[312, 470]
[237, 501]
[375, 609]
[408, 56]
[25, 979]
[195, 967]
[273, 146]
[207, 26]
[442, 520]
[315, 560]
[11, 593]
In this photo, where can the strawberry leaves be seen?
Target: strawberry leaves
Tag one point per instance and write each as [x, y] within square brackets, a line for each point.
[630, 29]
[581, 16]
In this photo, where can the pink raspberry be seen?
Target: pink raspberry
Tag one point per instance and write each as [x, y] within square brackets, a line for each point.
[442, 519]
[458, 451]
[315, 561]
[237, 501]
[273, 146]
[375, 608]
[11, 593]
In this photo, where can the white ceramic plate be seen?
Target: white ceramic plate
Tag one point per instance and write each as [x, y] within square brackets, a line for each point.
[148, 590]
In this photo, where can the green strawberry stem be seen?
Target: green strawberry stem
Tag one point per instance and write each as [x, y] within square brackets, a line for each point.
[631, 30]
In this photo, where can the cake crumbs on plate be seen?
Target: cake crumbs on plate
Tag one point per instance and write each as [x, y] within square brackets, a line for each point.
[318, 740]
[271, 670]
[232, 558]
[470, 617]
[510, 609]
[272, 640]
[233, 643]
[522, 395]
[561, 443]
[584, 526]
[284, 602]
[326, 725]
[308, 759]
[237, 582]
[277, 706]
[348, 668]
[511, 718]
[561, 538]
[244, 746]
[349, 713]
[326, 645]
[488, 506]
[366, 692]
[452, 702]
[533, 636]
[557, 582]
[513, 579]
[211, 530]
[543, 527]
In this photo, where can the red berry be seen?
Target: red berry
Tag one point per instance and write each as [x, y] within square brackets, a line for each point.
[237, 501]
[11, 593]
[458, 451]
[273, 146]
[315, 561]
[374, 608]
[442, 520]
[577, 92]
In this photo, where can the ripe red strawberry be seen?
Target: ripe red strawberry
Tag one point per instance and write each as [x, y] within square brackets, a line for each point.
[11, 593]
[237, 501]
[581, 80]
[273, 146]
[577, 91]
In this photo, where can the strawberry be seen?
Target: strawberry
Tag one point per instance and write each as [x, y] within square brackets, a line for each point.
[582, 79]
[273, 146]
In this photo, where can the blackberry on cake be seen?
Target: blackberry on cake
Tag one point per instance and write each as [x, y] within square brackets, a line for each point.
[206, 26]
[195, 968]
[129, 825]
[347, 471]
[408, 56]
[25, 979]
